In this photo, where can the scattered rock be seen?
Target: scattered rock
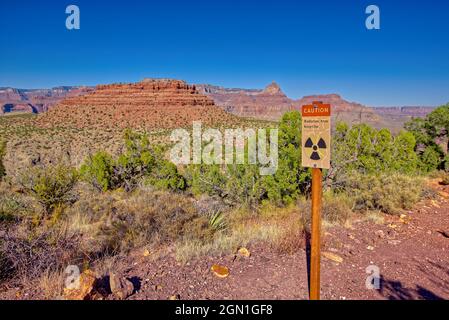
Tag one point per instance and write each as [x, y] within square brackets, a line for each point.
[435, 204]
[332, 256]
[121, 287]
[146, 253]
[380, 234]
[371, 248]
[404, 218]
[220, 271]
[243, 252]
[174, 297]
[157, 288]
[85, 289]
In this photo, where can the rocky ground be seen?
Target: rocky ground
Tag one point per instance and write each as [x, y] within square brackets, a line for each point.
[411, 252]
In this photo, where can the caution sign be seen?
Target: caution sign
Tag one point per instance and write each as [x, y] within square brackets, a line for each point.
[316, 135]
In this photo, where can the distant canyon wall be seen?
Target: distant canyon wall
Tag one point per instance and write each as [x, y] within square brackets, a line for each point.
[269, 103]
[36, 100]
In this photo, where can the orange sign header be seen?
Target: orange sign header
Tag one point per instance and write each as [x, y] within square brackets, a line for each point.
[316, 109]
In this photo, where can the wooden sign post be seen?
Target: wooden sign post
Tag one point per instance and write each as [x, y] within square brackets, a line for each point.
[316, 136]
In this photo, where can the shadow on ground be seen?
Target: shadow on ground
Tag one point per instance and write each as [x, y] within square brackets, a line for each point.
[395, 290]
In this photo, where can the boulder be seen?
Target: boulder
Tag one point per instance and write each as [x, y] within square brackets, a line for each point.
[85, 289]
[121, 287]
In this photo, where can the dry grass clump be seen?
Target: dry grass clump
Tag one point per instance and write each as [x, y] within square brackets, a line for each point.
[293, 233]
[26, 256]
[116, 222]
[13, 207]
[51, 284]
[227, 242]
[389, 193]
[445, 179]
[276, 227]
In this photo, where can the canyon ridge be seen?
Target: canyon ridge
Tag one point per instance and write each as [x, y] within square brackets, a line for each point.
[161, 102]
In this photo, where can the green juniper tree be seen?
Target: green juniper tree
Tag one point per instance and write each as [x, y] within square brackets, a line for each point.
[432, 139]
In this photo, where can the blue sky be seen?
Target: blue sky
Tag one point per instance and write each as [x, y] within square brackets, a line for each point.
[308, 47]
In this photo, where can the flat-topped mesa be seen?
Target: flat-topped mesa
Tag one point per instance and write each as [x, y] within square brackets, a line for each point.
[151, 103]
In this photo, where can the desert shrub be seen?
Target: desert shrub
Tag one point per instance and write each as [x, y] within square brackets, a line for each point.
[119, 221]
[2, 154]
[404, 159]
[336, 208]
[6, 267]
[290, 179]
[11, 207]
[138, 162]
[432, 137]
[51, 186]
[242, 184]
[364, 149]
[165, 176]
[235, 184]
[26, 257]
[217, 220]
[389, 193]
[135, 162]
[445, 179]
[446, 162]
[293, 234]
[99, 170]
[430, 157]
[207, 179]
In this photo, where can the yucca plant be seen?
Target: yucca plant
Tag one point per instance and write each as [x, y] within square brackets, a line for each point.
[217, 221]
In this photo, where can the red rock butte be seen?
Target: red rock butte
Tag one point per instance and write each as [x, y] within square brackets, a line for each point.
[149, 104]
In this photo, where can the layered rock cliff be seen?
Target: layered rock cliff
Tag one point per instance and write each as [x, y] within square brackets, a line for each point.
[149, 104]
[269, 103]
[36, 100]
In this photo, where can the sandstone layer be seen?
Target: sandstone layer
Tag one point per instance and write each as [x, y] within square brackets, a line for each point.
[149, 104]
[36, 100]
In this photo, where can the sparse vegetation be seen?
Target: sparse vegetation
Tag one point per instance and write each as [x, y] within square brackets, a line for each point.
[432, 139]
[2, 154]
[139, 161]
[243, 184]
[445, 180]
[389, 193]
[11, 207]
[130, 196]
[51, 186]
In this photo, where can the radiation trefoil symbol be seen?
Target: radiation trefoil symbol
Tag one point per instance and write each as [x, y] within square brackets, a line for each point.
[315, 148]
